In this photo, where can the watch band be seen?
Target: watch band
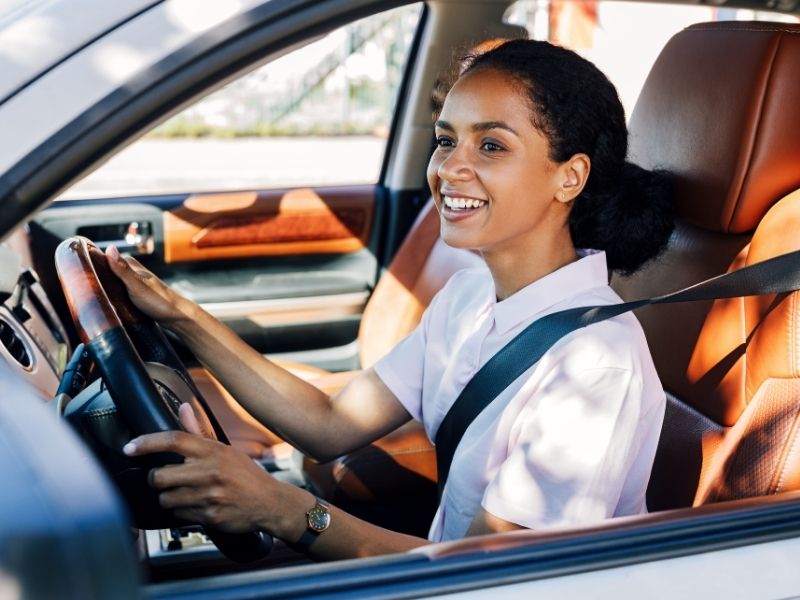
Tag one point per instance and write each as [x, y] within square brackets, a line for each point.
[305, 541]
[313, 529]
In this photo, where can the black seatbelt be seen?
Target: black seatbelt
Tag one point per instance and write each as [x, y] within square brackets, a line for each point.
[773, 276]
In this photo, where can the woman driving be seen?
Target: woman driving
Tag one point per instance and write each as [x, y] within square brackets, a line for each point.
[529, 170]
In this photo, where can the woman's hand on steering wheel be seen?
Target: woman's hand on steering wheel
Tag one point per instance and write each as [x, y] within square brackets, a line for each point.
[216, 485]
[114, 303]
[150, 295]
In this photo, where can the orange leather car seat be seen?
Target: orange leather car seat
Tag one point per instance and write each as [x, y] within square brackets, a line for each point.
[719, 110]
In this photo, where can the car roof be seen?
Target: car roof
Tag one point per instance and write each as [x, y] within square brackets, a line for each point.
[35, 36]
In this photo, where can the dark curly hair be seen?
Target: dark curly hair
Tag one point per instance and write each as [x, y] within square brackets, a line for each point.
[623, 209]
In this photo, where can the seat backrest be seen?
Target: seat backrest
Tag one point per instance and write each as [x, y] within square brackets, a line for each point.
[421, 267]
[719, 110]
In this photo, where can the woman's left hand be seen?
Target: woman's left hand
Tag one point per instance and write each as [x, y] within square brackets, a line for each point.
[216, 485]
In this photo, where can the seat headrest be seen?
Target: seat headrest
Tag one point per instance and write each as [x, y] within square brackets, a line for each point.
[721, 111]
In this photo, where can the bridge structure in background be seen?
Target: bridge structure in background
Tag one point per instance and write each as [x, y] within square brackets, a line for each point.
[357, 37]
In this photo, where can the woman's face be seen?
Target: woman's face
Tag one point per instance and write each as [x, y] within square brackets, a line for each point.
[490, 175]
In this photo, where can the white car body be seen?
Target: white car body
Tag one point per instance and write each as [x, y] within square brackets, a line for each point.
[81, 79]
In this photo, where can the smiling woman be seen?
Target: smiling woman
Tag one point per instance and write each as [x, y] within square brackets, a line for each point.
[508, 172]
[529, 170]
[291, 270]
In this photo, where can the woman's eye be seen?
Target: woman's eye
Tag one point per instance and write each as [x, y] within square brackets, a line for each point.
[444, 142]
[491, 147]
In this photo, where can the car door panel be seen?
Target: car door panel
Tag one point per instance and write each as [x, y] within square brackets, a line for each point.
[246, 224]
[289, 270]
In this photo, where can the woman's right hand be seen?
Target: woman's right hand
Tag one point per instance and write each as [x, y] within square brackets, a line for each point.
[150, 295]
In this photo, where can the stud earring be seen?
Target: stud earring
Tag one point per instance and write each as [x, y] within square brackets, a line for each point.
[560, 195]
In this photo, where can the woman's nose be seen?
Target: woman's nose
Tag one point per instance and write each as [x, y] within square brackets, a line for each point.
[455, 166]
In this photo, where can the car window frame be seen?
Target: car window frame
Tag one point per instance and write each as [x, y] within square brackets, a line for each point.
[726, 525]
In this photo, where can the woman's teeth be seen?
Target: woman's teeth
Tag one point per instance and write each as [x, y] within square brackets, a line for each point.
[461, 203]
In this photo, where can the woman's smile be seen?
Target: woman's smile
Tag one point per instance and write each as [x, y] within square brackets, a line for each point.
[456, 208]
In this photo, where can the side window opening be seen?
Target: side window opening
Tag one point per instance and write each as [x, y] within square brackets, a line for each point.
[319, 115]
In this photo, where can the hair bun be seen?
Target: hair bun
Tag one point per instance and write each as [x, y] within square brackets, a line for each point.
[632, 224]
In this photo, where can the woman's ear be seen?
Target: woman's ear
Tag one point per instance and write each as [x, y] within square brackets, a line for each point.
[573, 174]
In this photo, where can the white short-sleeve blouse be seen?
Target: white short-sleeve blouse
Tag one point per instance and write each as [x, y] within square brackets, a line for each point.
[572, 440]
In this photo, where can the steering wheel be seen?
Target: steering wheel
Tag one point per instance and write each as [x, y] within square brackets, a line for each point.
[143, 384]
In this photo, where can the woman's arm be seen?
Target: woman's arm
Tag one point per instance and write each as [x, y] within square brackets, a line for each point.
[322, 427]
[219, 486]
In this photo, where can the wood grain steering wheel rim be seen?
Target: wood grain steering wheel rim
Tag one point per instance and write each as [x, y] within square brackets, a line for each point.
[87, 281]
[104, 315]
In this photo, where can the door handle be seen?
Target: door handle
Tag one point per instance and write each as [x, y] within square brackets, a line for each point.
[138, 239]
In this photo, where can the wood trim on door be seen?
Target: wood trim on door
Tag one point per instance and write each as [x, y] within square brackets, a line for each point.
[273, 223]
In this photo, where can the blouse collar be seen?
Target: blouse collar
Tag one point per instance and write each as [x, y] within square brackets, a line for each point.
[589, 271]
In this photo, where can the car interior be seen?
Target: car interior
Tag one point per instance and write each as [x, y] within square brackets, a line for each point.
[326, 279]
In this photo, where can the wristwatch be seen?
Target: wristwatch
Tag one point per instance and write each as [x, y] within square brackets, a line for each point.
[318, 519]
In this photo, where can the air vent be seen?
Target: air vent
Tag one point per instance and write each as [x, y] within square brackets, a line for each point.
[14, 344]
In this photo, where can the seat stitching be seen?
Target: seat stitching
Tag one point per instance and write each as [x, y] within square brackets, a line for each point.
[745, 383]
[791, 334]
[792, 448]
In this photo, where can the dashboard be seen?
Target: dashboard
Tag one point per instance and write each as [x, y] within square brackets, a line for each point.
[32, 338]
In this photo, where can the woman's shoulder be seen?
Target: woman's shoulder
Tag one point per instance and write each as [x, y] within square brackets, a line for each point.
[463, 294]
[469, 282]
[617, 343]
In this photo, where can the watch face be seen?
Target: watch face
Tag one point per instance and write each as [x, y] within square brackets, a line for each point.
[319, 518]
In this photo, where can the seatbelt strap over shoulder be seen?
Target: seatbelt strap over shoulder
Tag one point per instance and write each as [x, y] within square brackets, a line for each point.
[773, 276]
